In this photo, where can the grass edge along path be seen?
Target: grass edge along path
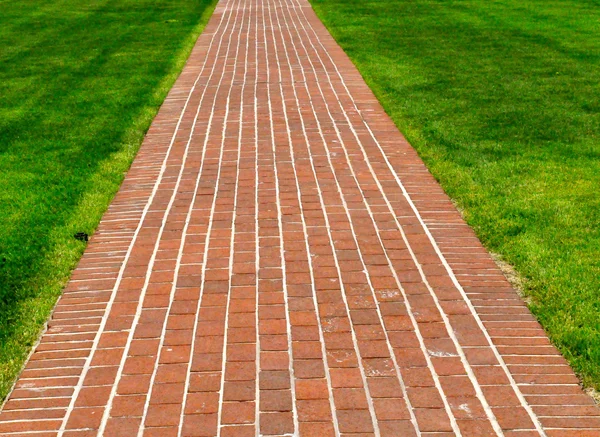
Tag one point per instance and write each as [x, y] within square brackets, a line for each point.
[55, 268]
[500, 99]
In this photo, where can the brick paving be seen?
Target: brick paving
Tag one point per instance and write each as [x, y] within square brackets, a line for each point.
[279, 261]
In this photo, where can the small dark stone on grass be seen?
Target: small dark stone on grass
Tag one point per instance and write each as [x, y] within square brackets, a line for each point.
[82, 236]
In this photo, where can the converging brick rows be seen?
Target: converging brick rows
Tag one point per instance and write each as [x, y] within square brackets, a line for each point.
[279, 261]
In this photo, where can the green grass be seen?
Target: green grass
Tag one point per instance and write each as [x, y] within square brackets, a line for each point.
[80, 83]
[502, 101]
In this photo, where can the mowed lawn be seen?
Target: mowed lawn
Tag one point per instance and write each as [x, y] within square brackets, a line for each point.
[502, 101]
[80, 82]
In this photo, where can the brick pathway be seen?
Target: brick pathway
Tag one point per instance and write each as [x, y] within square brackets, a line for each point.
[279, 261]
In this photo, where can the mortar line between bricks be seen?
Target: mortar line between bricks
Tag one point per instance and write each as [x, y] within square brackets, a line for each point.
[326, 366]
[128, 254]
[29, 420]
[280, 227]
[19, 433]
[235, 201]
[256, 240]
[210, 226]
[497, 354]
[37, 378]
[343, 294]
